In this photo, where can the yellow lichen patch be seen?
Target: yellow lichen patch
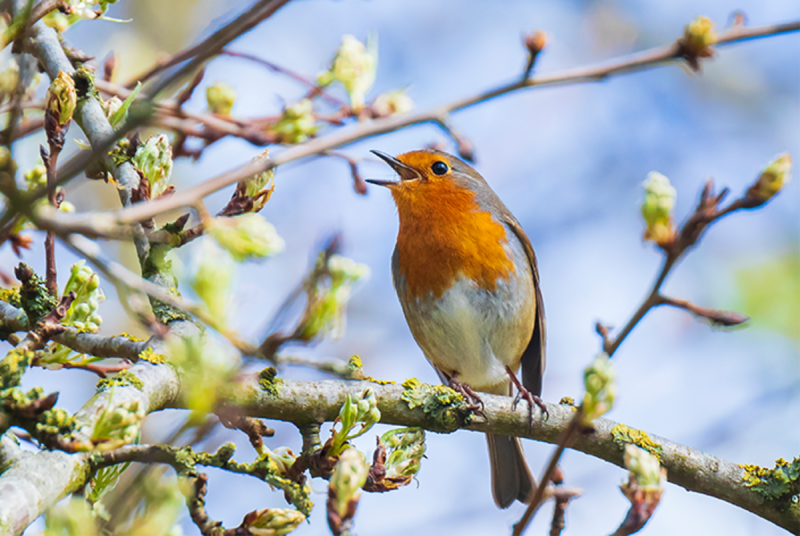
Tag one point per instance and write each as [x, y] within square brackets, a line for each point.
[149, 355]
[269, 382]
[355, 372]
[777, 483]
[125, 377]
[624, 435]
[132, 338]
[567, 401]
[10, 295]
[13, 366]
[446, 407]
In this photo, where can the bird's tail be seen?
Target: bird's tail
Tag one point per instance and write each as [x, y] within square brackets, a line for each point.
[511, 478]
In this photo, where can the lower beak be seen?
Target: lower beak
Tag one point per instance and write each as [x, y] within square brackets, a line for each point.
[406, 173]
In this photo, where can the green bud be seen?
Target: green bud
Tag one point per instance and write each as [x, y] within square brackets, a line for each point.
[297, 123]
[259, 187]
[213, 278]
[354, 66]
[62, 98]
[111, 106]
[659, 200]
[220, 98]
[154, 160]
[274, 522]
[245, 236]
[57, 21]
[406, 448]
[646, 478]
[36, 177]
[598, 379]
[347, 479]
[392, 102]
[772, 180]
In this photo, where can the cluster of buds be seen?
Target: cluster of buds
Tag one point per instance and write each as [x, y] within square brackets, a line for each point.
[82, 314]
[246, 236]
[344, 490]
[771, 181]
[659, 201]
[405, 447]
[61, 101]
[354, 66]
[220, 98]
[391, 103]
[646, 481]
[153, 159]
[329, 289]
[364, 411]
[296, 124]
[71, 517]
[598, 379]
[9, 78]
[72, 11]
[272, 522]
[118, 426]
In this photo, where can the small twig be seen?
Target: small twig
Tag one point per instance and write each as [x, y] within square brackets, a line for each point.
[716, 317]
[101, 370]
[50, 161]
[464, 147]
[316, 89]
[563, 441]
[535, 43]
[358, 182]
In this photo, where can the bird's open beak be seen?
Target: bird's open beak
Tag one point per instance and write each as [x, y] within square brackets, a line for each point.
[406, 173]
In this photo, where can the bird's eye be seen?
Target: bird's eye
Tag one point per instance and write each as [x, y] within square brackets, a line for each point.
[439, 168]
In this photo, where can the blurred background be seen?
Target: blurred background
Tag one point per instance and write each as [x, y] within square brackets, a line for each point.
[569, 163]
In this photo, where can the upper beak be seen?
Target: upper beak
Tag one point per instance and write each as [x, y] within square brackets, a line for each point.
[406, 173]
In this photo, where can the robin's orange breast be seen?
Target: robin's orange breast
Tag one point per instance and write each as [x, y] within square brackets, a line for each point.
[444, 234]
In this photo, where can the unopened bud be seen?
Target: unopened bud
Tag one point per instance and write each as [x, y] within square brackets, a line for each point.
[659, 200]
[246, 236]
[297, 123]
[646, 480]
[391, 103]
[772, 180]
[698, 36]
[273, 521]
[536, 41]
[354, 66]
[220, 98]
[344, 488]
[62, 98]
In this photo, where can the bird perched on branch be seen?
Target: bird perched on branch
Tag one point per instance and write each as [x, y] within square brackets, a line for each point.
[466, 277]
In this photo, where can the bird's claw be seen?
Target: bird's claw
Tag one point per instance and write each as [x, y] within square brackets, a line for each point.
[474, 402]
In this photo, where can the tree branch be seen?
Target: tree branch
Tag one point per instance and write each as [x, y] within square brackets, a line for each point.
[636, 62]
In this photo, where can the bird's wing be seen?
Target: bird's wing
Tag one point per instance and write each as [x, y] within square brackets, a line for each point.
[533, 358]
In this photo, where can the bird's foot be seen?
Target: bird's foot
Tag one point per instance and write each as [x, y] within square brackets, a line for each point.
[474, 402]
[523, 393]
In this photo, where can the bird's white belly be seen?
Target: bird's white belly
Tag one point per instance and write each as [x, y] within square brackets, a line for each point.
[472, 334]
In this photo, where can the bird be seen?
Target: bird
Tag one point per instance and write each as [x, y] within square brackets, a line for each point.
[468, 283]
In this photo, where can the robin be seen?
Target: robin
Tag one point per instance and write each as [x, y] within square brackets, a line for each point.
[466, 277]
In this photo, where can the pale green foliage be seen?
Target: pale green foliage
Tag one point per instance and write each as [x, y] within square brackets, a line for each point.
[36, 177]
[154, 160]
[9, 78]
[659, 200]
[164, 502]
[363, 411]
[275, 522]
[349, 476]
[117, 111]
[329, 290]
[79, 10]
[118, 425]
[220, 98]
[260, 181]
[297, 123]
[73, 518]
[406, 447]
[213, 277]
[104, 481]
[354, 66]
[246, 236]
[601, 390]
[205, 369]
